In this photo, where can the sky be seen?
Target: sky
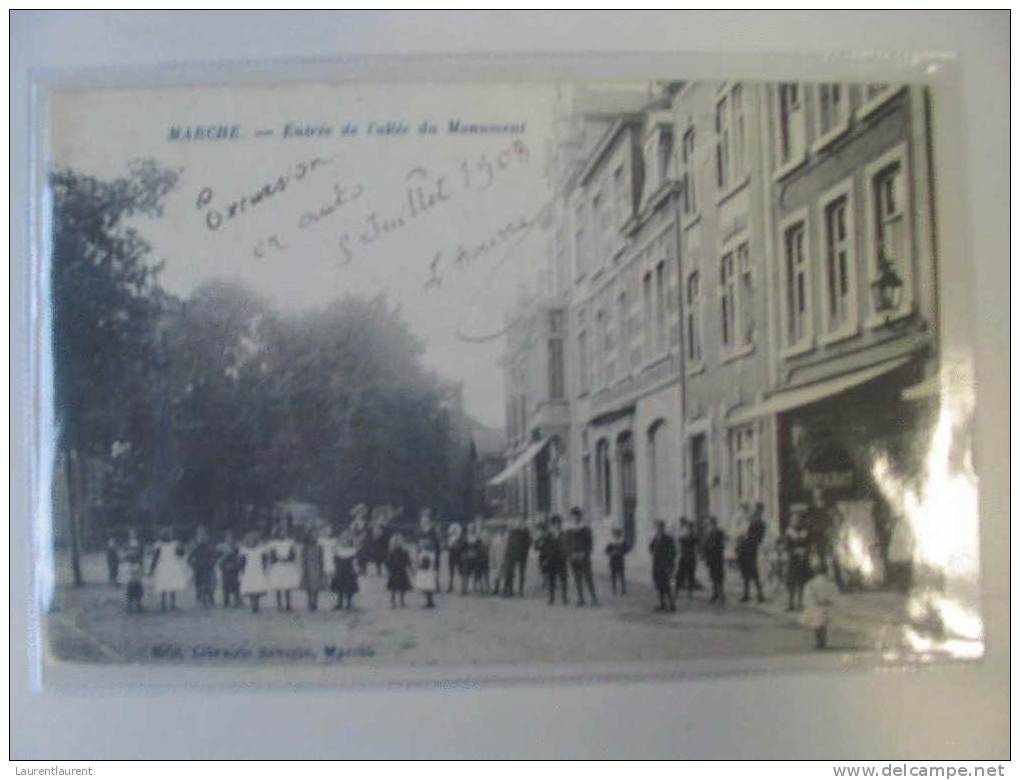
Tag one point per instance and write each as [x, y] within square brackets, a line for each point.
[327, 223]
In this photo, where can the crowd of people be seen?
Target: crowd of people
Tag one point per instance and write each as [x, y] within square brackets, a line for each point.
[267, 566]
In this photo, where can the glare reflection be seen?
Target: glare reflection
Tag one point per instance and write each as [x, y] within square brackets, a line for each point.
[942, 517]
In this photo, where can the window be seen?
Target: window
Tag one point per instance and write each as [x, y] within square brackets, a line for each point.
[660, 307]
[791, 124]
[622, 319]
[739, 132]
[599, 356]
[604, 475]
[556, 379]
[580, 242]
[838, 264]
[582, 360]
[620, 195]
[693, 319]
[731, 137]
[646, 285]
[727, 300]
[722, 143]
[744, 464]
[831, 108]
[888, 199]
[745, 296]
[556, 322]
[797, 290]
[688, 194]
[736, 299]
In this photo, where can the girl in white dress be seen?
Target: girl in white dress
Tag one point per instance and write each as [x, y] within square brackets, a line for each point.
[254, 580]
[169, 569]
[285, 569]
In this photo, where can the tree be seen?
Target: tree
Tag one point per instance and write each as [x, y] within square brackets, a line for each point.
[106, 303]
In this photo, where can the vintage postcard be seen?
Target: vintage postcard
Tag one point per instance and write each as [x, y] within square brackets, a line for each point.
[376, 378]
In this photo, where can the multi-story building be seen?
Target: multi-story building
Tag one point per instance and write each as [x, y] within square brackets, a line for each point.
[853, 315]
[739, 307]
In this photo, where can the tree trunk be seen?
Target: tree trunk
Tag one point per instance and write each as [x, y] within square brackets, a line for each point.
[73, 509]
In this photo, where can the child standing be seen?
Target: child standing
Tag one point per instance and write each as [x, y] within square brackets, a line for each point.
[134, 557]
[202, 560]
[312, 568]
[398, 566]
[426, 575]
[820, 595]
[497, 560]
[168, 569]
[230, 571]
[616, 550]
[254, 562]
[284, 569]
[345, 572]
[113, 562]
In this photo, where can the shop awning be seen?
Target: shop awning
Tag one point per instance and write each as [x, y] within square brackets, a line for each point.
[808, 394]
[519, 462]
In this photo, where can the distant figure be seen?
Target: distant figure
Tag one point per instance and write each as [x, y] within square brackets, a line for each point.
[398, 567]
[688, 543]
[230, 571]
[715, 560]
[478, 553]
[518, 546]
[497, 560]
[113, 562]
[747, 553]
[798, 544]
[820, 595]
[284, 567]
[134, 557]
[169, 570]
[254, 569]
[616, 550]
[426, 574]
[345, 572]
[313, 568]
[359, 532]
[455, 547]
[552, 559]
[663, 550]
[579, 548]
[202, 560]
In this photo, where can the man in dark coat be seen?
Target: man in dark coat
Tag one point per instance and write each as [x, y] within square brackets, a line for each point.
[663, 550]
[715, 559]
[579, 548]
[688, 544]
[518, 545]
[747, 553]
[552, 558]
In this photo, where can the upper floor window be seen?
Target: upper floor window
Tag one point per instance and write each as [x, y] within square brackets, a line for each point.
[623, 317]
[798, 304]
[621, 195]
[731, 137]
[661, 291]
[556, 373]
[832, 108]
[584, 375]
[791, 124]
[693, 322]
[688, 194]
[839, 264]
[556, 322]
[646, 312]
[736, 299]
[580, 238]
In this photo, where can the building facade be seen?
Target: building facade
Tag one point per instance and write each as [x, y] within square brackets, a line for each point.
[740, 308]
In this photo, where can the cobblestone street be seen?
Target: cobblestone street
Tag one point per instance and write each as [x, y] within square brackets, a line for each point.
[90, 622]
